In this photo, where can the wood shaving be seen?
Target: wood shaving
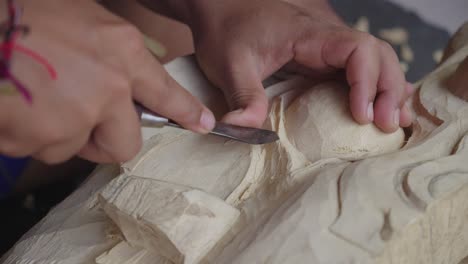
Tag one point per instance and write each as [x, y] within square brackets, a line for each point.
[406, 53]
[404, 66]
[362, 24]
[437, 55]
[155, 47]
[395, 36]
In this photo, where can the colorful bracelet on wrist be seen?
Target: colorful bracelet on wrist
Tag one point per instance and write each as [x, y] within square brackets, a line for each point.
[11, 30]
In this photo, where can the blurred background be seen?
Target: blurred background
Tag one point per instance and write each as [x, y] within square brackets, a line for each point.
[417, 29]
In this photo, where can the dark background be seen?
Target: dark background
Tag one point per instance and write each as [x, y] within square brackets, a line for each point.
[424, 38]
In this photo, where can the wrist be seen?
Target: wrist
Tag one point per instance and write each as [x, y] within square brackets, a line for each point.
[194, 13]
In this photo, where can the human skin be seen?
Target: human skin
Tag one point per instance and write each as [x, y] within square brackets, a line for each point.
[103, 66]
[239, 43]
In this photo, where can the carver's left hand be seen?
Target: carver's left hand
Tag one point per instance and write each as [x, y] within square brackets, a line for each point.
[240, 43]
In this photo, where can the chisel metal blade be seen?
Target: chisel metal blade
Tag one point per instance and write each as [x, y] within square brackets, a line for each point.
[254, 136]
[248, 135]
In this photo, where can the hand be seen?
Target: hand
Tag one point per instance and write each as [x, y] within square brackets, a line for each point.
[102, 66]
[240, 43]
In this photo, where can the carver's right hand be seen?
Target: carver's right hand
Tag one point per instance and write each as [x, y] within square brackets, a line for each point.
[102, 66]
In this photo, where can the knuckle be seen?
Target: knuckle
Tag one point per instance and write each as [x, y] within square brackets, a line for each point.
[88, 117]
[49, 133]
[128, 153]
[133, 39]
[124, 34]
[48, 136]
[242, 97]
[368, 40]
[388, 51]
[85, 115]
[386, 46]
[121, 92]
[119, 89]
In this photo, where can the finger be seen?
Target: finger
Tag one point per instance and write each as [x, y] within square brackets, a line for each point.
[354, 51]
[63, 151]
[154, 88]
[391, 92]
[406, 116]
[319, 75]
[362, 73]
[409, 90]
[245, 95]
[92, 152]
[117, 138]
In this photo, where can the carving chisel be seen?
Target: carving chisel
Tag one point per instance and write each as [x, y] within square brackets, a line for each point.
[247, 135]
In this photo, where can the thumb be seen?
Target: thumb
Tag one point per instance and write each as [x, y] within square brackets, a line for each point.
[246, 97]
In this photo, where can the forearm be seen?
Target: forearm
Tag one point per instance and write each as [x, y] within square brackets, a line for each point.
[175, 9]
[194, 12]
[322, 4]
[314, 6]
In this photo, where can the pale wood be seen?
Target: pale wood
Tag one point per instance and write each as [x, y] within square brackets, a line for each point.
[316, 196]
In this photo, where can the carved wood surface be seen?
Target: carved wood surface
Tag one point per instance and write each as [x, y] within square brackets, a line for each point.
[319, 195]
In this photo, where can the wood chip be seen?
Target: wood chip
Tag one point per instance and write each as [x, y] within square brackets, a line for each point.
[437, 55]
[155, 47]
[362, 24]
[406, 53]
[404, 66]
[395, 36]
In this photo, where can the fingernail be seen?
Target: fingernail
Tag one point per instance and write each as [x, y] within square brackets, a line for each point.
[396, 117]
[207, 120]
[370, 111]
